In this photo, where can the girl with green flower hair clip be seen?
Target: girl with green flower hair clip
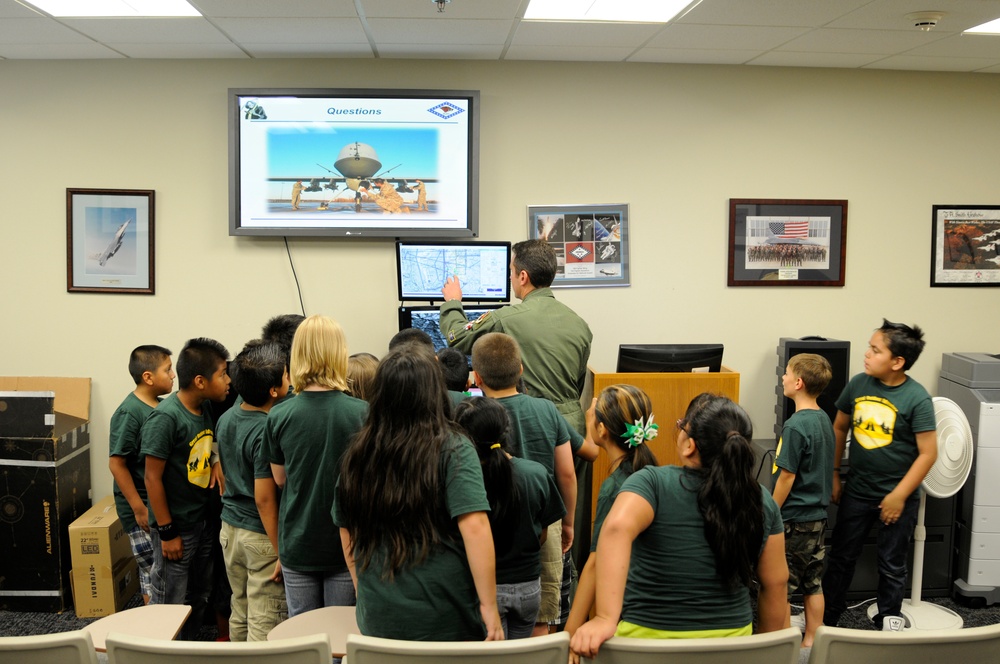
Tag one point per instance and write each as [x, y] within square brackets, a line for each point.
[619, 421]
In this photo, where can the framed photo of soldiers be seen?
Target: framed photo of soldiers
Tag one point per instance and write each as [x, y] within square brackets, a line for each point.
[591, 242]
[787, 242]
[965, 245]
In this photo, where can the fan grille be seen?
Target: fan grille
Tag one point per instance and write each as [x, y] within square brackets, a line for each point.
[955, 448]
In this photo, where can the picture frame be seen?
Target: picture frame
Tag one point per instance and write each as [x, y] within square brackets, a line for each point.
[591, 242]
[110, 241]
[965, 246]
[782, 242]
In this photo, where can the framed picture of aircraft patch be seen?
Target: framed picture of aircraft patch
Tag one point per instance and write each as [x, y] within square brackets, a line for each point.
[787, 242]
[591, 242]
[109, 241]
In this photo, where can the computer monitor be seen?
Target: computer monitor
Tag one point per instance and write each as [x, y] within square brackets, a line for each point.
[428, 319]
[669, 358]
[483, 269]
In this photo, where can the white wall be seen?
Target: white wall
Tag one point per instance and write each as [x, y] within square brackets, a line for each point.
[675, 142]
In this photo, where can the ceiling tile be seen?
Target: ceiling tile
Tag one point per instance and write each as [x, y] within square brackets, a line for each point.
[272, 9]
[705, 38]
[173, 51]
[770, 12]
[301, 50]
[38, 31]
[876, 42]
[136, 30]
[550, 33]
[564, 53]
[441, 52]
[86, 51]
[832, 60]
[915, 63]
[693, 56]
[430, 31]
[458, 9]
[293, 30]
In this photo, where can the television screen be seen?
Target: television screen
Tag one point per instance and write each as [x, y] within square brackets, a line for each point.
[482, 268]
[428, 319]
[354, 163]
[669, 358]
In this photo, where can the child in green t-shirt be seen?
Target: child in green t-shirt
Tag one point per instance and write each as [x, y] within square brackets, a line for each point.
[153, 373]
[804, 467]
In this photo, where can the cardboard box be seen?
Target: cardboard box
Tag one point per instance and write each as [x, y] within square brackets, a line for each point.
[105, 575]
[44, 486]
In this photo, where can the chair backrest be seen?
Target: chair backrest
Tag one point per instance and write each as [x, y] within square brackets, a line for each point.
[780, 647]
[548, 649]
[125, 649]
[65, 648]
[972, 644]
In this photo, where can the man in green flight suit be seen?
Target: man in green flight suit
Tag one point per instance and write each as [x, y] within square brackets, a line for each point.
[555, 341]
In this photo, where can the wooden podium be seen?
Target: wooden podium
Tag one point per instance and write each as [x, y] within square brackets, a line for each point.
[670, 393]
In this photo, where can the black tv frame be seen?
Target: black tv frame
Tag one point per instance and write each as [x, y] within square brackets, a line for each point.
[374, 226]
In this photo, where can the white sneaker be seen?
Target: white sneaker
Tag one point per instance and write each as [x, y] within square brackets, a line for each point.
[799, 621]
[893, 624]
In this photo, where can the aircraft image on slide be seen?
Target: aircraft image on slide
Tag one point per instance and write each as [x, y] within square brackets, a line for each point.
[114, 245]
[358, 166]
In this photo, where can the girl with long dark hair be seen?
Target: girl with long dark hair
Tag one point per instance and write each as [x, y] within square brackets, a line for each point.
[412, 511]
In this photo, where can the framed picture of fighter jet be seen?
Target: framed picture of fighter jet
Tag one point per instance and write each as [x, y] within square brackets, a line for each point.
[109, 241]
[590, 241]
[787, 242]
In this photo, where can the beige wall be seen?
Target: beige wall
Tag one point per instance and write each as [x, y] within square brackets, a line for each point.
[675, 142]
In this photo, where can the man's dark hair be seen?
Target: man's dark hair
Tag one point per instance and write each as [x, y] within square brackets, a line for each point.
[281, 330]
[146, 358]
[903, 341]
[411, 335]
[259, 367]
[199, 357]
[536, 258]
[455, 366]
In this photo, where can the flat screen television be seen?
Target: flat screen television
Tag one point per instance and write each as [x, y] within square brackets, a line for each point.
[428, 319]
[482, 268]
[354, 163]
[669, 358]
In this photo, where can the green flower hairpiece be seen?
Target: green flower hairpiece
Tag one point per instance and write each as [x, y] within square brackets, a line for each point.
[639, 432]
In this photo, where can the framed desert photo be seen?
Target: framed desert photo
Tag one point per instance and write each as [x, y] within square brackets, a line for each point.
[787, 242]
[591, 242]
[965, 245]
[109, 241]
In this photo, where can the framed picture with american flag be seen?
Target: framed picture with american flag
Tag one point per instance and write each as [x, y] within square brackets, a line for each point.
[774, 242]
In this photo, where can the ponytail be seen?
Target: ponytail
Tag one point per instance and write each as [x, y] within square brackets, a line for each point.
[729, 498]
[487, 424]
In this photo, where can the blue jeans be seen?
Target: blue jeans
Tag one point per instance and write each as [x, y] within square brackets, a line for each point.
[855, 518]
[306, 591]
[518, 604]
[185, 581]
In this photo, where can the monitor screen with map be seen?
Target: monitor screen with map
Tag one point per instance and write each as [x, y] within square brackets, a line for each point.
[428, 319]
[483, 270]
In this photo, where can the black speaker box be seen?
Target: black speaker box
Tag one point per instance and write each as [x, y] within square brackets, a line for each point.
[837, 353]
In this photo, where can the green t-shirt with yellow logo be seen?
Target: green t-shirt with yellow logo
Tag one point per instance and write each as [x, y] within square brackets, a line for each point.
[184, 440]
[885, 422]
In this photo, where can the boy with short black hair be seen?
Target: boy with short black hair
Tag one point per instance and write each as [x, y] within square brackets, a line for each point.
[894, 444]
[455, 366]
[539, 433]
[178, 443]
[249, 533]
[804, 467]
[153, 373]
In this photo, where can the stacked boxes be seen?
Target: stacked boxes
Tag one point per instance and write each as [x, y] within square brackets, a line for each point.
[44, 486]
[105, 575]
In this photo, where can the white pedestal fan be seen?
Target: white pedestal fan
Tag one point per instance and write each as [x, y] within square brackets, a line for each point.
[946, 477]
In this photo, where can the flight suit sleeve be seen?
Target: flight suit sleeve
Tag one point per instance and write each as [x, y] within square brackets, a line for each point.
[459, 332]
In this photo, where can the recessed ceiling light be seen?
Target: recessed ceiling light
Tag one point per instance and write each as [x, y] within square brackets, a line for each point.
[117, 8]
[626, 11]
[988, 28]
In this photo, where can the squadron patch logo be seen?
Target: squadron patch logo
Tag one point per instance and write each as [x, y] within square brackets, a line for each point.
[873, 422]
